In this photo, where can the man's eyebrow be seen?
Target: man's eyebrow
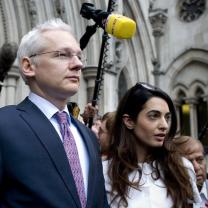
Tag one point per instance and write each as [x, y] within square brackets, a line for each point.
[69, 50]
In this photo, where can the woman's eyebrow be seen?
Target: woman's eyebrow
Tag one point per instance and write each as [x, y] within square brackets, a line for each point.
[158, 112]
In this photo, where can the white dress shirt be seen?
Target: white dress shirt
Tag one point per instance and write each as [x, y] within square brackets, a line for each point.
[152, 193]
[204, 194]
[49, 110]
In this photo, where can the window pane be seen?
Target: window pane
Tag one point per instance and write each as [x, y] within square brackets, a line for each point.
[185, 119]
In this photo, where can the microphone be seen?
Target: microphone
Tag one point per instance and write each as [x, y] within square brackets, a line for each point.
[8, 54]
[120, 26]
[117, 25]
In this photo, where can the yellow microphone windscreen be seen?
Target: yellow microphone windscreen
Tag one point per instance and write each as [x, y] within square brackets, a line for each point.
[120, 26]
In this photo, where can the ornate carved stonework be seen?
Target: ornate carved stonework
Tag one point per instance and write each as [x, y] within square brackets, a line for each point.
[158, 18]
[3, 21]
[32, 12]
[89, 74]
[190, 10]
[151, 4]
[59, 9]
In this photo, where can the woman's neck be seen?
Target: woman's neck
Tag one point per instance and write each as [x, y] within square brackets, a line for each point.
[143, 153]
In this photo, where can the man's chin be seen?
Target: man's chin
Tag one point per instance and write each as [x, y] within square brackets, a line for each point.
[199, 183]
[71, 93]
[73, 89]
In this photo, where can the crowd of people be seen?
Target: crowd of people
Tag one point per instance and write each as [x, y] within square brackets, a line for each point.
[131, 157]
[142, 164]
[193, 150]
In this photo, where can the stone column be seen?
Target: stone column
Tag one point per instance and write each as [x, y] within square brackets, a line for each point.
[177, 107]
[10, 88]
[158, 18]
[193, 117]
[206, 99]
[89, 73]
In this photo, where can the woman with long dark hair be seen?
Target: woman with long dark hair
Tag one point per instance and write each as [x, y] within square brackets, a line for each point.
[143, 169]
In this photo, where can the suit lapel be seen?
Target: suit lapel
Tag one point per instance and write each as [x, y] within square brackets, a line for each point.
[92, 161]
[49, 138]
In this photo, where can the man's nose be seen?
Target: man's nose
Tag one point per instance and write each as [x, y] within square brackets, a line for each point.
[196, 165]
[76, 58]
[76, 62]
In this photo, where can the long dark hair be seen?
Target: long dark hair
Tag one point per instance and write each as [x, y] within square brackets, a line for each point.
[123, 152]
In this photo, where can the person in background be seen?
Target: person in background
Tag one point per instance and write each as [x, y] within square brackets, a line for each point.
[47, 157]
[96, 124]
[193, 150]
[142, 169]
[104, 133]
[89, 112]
[74, 110]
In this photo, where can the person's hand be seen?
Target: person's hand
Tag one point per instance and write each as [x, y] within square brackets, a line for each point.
[89, 112]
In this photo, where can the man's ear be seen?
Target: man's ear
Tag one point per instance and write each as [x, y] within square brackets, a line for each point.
[128, 122]
[28, 68]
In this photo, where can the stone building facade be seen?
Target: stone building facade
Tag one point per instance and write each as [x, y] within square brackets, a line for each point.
[169, 50]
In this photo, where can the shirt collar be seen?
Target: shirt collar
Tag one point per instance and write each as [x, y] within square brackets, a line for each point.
[45, 106]
[203, 191]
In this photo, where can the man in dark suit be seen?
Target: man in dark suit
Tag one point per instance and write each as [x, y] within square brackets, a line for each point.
[35, 169]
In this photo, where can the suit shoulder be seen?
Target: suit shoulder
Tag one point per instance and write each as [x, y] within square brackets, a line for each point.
[83, 126]
[8, 113]
[8, 108]
[14, 108]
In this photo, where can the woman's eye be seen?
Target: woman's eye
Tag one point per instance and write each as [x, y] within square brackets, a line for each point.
[153, 116]
[168, 118]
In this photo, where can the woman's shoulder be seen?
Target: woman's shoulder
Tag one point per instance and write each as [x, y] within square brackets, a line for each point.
[192, 175]
[105, 164]
[190, 168]
[187, 163]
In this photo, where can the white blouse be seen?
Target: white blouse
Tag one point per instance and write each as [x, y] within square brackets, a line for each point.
[152, 193]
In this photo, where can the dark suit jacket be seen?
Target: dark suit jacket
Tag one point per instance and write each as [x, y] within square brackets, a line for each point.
[34, 170]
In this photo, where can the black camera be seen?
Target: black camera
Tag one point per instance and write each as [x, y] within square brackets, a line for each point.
[89, 11]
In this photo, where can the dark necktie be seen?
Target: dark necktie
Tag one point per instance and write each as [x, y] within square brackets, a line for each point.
[72, 155]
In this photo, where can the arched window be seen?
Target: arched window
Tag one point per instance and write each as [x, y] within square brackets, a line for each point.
[202, 114]
[184, 113]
